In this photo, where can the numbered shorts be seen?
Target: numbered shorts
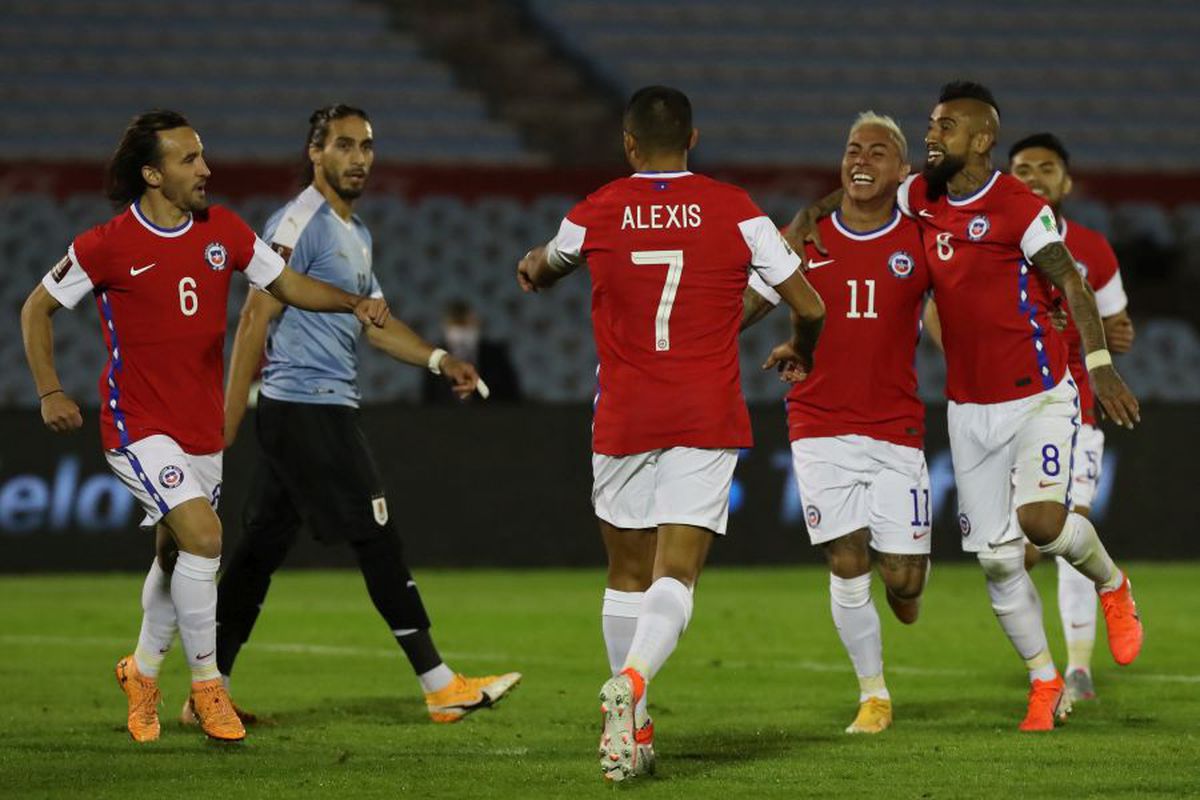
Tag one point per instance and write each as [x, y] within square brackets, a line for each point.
[1089, 462]
[674, 486]
[1007, 455]
[161, 476]
[851, 482]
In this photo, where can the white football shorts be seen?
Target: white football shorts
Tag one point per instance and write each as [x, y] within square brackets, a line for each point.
[1009, 454]
[1089, 462]
[851, 482]
[673, 486]
[161, 476]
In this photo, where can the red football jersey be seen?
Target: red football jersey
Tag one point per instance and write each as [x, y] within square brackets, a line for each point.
[992, 302]
[864, 379]
[162, 296]
[668, 255]
[1098, 263]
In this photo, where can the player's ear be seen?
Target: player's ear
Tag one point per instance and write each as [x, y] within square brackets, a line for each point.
[905, 169]
[983, 141]
[630, 143]
[1067, 185]
[695, 137]
[152, 176]
[314, 154]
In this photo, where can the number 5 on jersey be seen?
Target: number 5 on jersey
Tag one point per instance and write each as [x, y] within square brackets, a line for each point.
[673, 261]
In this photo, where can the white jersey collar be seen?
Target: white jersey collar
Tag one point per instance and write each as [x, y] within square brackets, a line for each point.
[657, 175]
[166, 233]
[866, 236]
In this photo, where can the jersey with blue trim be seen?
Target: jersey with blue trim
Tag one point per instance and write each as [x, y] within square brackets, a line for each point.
[162, 295]
[312, 357]
[993, 303]
[864, 379]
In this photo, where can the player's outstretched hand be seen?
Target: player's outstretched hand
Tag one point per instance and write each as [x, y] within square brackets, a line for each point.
[372, 311]
[1118, 335]
[525, 272]
[461, 375]
[803, 229]
[1118, 402]
[1059, 318]
[788, 362]
[60, 413]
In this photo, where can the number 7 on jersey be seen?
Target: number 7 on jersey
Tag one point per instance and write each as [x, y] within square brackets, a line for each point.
[673, 261]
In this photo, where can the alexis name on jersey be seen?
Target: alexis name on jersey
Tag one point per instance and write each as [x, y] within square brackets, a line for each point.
[661, 217]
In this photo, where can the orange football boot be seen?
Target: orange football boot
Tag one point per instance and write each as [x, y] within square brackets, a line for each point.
[143, 696]
[213, 708]
[1123, 623]
[464, 695]
[1048, 702]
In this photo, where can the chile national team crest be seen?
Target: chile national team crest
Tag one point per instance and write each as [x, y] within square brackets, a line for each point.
[812, 515]
[170, 477]
[901, 264]
[216, 256]
[978, 227]
[964, 524]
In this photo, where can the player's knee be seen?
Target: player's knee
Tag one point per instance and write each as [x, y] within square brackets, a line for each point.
[1042, 522]
[906, 584]
[1032, 556]
[849, 556]
[1004, 563]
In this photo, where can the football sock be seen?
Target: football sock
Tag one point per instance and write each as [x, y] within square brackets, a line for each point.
[158, 622]
[619, 616]
[1077, 605]
[436, 679]
[194, 591]
[1079, 545]
[1018, 608]
[662, 619]
[241, 593]
[857, 624]
[395, 595]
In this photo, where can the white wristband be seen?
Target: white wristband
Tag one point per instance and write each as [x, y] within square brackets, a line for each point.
[1098, 358]
[435, 360]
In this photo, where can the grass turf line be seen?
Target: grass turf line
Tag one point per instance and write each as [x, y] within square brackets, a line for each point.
[752, 703]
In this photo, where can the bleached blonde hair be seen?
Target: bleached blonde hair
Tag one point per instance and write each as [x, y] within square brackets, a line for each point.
[888, 124]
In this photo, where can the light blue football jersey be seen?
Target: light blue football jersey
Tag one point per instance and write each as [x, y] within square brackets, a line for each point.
[311, 356]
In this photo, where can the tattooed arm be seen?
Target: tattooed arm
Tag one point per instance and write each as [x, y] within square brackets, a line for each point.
[1056, 263]
[803, 227]
[754, 307]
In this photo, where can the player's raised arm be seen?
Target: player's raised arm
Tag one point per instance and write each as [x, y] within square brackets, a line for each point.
[248, 344]
[310, 294]
[1056, 263]
[59, 412]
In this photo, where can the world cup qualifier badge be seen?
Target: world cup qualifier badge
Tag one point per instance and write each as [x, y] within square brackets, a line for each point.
[216, 256]
[901, 264]
[978, 227]
[170, 476]
[812, 515]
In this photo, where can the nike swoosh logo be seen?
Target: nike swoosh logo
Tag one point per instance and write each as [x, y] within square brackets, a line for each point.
[135, 271]
[1080, 624]
[815, 264]
[203, 656]
[924, 213]
[1047, 484]
[920, 535]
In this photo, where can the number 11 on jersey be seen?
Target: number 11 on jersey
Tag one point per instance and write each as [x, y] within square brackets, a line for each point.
[673, 260]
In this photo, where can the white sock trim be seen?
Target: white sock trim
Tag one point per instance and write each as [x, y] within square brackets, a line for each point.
[621, 604]
[197, 567]
[850, 592]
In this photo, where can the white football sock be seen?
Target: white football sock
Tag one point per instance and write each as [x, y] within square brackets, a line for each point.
[194, 591]
[857, 624]
[618, 619]
[158, 622]
[662, 619]
[1018, 607]
[436, 679]
[1077, 606]
[1079, 544]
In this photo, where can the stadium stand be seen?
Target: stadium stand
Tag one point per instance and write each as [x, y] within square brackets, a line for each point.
[439, 247]
[775, 82]
[245, 73]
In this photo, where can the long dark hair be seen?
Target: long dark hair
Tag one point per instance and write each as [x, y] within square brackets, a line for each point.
[318, 130]
[139, 146]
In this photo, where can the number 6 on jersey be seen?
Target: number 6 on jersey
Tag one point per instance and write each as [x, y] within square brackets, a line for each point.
[673, 260]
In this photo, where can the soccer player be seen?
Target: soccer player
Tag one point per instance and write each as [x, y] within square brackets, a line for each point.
[857, 432]
[668, 253]
[160, 272]
[315, 465]
[1042, 163]
[994, 251]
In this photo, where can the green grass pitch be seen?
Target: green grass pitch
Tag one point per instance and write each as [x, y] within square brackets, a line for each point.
[752, 704]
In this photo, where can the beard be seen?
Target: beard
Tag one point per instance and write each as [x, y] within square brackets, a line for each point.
[186, 200]
[345, 192]
[938, 176]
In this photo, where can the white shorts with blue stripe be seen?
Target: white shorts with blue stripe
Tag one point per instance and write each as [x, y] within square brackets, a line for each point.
[162, 476]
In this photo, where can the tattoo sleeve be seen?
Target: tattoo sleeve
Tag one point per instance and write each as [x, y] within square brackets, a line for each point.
[1056, 263]
[754, 308]
[805, 333]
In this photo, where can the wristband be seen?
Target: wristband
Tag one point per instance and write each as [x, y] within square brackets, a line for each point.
[1098, 358]
[47, 394]
[435, 360]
